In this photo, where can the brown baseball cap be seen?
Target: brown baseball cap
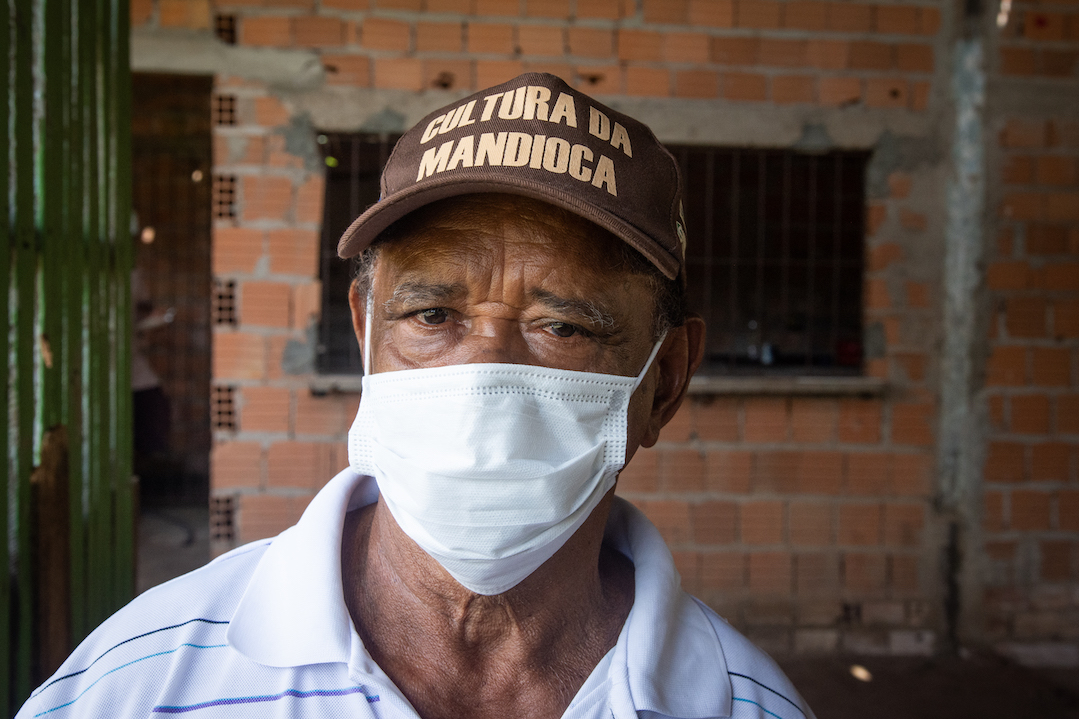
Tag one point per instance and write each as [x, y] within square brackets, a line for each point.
[536, 136]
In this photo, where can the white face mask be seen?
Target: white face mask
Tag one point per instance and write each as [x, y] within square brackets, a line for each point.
[490, 468]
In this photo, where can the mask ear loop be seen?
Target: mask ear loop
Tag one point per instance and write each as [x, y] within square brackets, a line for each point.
[647, 364]
[368, 314]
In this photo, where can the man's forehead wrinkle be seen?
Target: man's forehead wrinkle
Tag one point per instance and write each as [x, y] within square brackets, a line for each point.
[420, 291]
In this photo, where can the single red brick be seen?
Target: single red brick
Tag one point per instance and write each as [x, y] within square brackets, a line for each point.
[898, 19]
[236, 249]
[1012, 275]
[914, 58]
[859, 420]
[728, 471]
[266, 197]
[682, 470]
[309, 200]
[816, 574]
[859, 524]
[600, 9]
[759, 14]
[713, 13]
[883, 255]
[1050, 366]
[1007, 366]
[385, 34]
[445, 74]
[495, 72]
[236, 464]
[870, 56]
[1066, 319]
[1056, 564]
[238, 355]
[811, 524]
[647, 81]
[735, 50]
[1051, 461]
[687, 47]
[401, 73]
[696, 83]
[670, 517]
[813, 420]
[1023, 133]
[1030, 510]
[766, 419]
[770, 572]
[868, 474]
[903, 524]
[1044, 26]
[864, 572]
[264, 409]
[996, 413]
[1058, 63]
[806, 15]
[539, 8]
[790, 89]
[667, 12]
[183, 14]
[601, 79]
[993, 512]
[777, 471]
[301, 465]
[490, 38]
[306, 304]
[904, 571]
[317, 31]
[1068, 510]
[899, 184]
[1030, 414]
[1018, 61]
[639, 45]
[722, 570]
[323, 415]
[435, 36]
[591, 42]
[270, 112]
[850, 17]
[839, 91]
[1006, 462]
[141, 12]
[293, 251]
[1026, 317]
[265, 515]
[541, 40]
[265, 304]
[819, 472]
[1048, 240]
[912, 364]
[641, 474]
[827, 54]
[877, 296]
[917, 295]
[762, 522]
[714, 523]
[1062, 276]
[888, 92]
[778, 52]
[1063, 207]
[716, 418]
[912, 423]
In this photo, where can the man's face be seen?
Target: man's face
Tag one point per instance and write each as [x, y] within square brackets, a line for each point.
[500, 278]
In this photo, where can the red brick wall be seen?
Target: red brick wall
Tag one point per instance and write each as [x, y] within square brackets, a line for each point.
[805, 520]
[1031, 515]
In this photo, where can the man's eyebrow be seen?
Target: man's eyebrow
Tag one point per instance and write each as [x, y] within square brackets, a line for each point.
[425, 292]
[595, 314]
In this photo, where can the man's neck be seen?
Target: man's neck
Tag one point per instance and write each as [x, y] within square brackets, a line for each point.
[456, 653]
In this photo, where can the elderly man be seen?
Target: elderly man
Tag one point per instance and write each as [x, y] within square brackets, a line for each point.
[520, 301]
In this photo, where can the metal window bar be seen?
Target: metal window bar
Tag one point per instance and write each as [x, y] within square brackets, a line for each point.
[354, 164]
[775, 257]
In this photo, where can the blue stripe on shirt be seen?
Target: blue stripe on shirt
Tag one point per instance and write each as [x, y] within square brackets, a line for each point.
[371, 698]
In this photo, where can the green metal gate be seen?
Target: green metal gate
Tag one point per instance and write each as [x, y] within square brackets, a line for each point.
[66, 392]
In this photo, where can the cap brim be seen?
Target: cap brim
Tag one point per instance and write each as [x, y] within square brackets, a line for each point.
[365, 228]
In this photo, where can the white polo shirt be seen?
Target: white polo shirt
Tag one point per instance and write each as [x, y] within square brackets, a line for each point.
[263, 631]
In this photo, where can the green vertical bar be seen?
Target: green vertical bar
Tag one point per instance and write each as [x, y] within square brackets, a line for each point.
[124, 586]
[75, 285]
[6, 216]
[25, 275]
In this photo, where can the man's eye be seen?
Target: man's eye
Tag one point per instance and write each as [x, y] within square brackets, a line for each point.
[434, 316]
[563, 329]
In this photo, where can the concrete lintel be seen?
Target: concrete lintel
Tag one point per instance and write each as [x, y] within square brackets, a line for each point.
[673, 120]
[200, 53]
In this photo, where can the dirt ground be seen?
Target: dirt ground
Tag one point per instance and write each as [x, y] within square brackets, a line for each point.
[982, 686]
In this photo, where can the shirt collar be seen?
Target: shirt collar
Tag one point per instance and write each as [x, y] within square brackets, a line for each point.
[293, 611]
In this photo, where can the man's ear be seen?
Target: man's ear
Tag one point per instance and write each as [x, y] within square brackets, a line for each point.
[678, 359]
[358, 304]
